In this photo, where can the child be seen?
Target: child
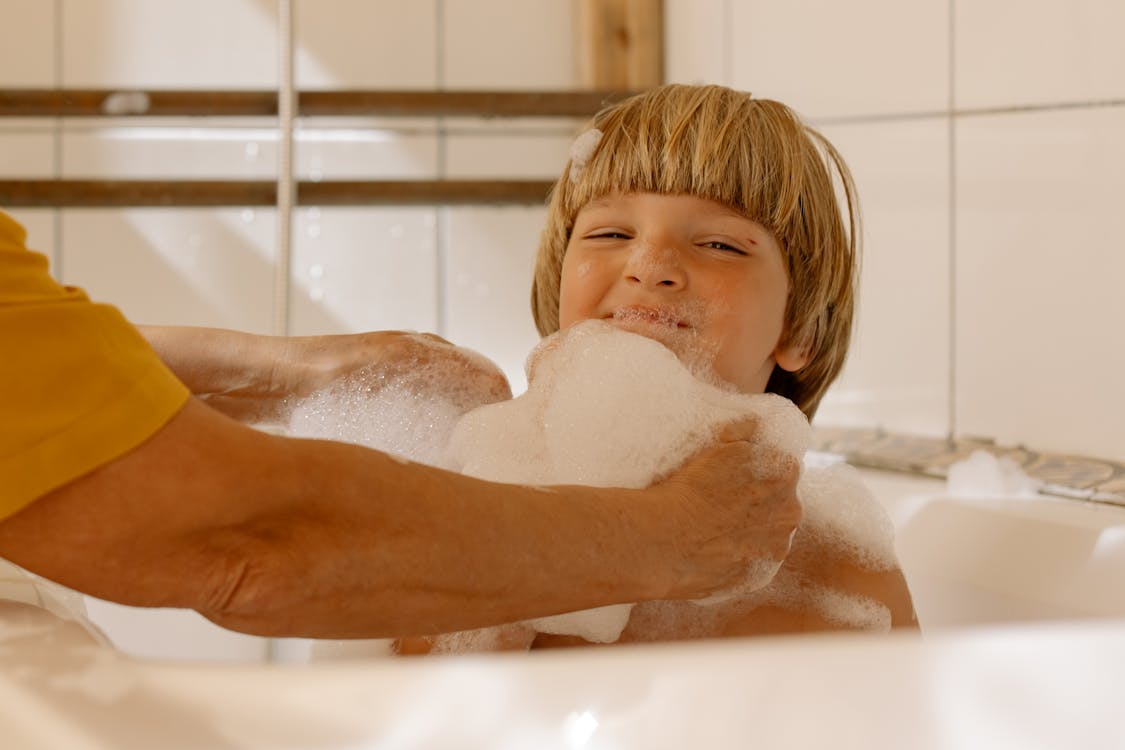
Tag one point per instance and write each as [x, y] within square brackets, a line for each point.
[707, 220]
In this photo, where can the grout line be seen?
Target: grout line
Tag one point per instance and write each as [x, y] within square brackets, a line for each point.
[441, 213]
[57, 143]
[286, 187]
[728, 43]
[952, 209]
[953, 112]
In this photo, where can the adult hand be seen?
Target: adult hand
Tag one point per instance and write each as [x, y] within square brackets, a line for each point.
[734, 508]
[258, 379]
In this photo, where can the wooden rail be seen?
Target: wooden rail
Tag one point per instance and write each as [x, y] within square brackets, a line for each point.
[136, 103]
[203, 193]
[90, 103]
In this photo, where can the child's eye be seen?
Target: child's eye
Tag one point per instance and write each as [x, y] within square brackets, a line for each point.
[717, 245]
[610, 234]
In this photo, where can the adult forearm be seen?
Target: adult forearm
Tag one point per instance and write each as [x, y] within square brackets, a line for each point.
[278, 536]
[244, 375]
[423, 551]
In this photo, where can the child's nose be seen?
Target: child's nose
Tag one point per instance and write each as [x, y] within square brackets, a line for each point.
[653, 265]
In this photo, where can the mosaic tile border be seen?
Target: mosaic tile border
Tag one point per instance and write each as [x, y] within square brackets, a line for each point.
[1078, 477]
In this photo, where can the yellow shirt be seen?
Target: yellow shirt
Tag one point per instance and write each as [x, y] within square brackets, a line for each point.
[79, 386]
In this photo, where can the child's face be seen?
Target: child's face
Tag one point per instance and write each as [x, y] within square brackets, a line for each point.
[705, 281]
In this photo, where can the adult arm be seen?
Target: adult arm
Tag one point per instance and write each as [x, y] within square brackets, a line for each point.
[281, 536]
[257, 379]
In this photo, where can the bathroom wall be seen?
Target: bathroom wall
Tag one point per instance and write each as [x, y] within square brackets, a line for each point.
[983, 135]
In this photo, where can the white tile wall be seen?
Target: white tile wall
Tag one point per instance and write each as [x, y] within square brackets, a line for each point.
[1014, 52]
[897, 376]
[490, 254]
[27, 149]
[499, 44]
[510, 149]
[208, 148]
[697, 41]
[27, 56]
[363, 269]
[209, 44]
[209, 267]
[1039, 280]
[365, 44]
[365, 148]
[828, 58]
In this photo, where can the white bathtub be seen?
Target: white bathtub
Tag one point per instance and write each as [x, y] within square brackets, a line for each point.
[981, 560]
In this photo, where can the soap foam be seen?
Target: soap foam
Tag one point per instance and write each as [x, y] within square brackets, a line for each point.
[840, 511]
[608, 407]
[407, 410]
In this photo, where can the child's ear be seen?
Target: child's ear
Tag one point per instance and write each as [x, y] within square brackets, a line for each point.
[792, 356]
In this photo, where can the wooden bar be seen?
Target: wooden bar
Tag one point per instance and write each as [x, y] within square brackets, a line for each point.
[113, 103]
[620, 43]
[213, 193]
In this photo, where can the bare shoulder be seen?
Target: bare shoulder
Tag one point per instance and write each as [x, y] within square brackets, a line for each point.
[821, 586]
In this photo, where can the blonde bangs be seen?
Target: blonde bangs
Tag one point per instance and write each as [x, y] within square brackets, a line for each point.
[700, 141]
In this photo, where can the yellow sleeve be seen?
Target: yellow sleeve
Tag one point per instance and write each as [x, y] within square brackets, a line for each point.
[79, 386]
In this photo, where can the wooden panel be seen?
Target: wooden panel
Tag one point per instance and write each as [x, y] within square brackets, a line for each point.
[158, 193]
[621, 43]
[99, 103]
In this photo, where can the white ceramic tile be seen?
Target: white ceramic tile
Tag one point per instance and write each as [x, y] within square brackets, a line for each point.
[27, 56]
[168, 149]
[26, 153]
[897, 374]
[697, 41]
[1039, 280]
[210, 267]
[490, 254]
[364, 269]
[365, 44]
[1013, 52]
[828, 58]
[502, 153]
[330, 148]
[499, 44]
[224, 44]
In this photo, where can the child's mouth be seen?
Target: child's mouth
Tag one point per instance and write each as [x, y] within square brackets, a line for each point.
[650, 316]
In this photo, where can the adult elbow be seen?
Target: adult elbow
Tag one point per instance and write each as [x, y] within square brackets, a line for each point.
[249, 589]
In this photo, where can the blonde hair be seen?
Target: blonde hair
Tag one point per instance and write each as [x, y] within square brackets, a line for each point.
[752, 155]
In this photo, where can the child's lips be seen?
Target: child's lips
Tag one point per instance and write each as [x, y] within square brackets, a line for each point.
[659, 316]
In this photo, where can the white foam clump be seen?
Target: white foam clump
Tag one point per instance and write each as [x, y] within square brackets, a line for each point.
[609, 408]
[984, 475]
[407, 409]
[840, 510]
